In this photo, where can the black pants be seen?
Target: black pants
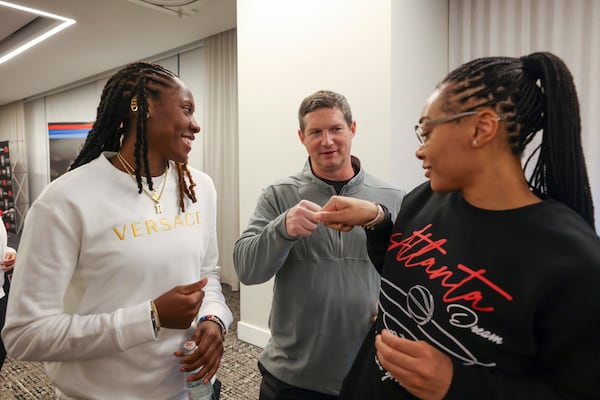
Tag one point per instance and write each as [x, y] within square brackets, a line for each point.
[272, 388]
[3, 303]
[217, 389]
[2, 317]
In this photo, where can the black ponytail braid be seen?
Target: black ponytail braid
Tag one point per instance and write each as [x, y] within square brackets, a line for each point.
[533, 93]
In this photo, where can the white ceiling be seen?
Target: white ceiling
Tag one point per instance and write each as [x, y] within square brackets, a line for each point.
[107, 35]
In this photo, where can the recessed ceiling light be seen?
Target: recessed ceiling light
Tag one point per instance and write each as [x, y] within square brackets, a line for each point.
[41, 27]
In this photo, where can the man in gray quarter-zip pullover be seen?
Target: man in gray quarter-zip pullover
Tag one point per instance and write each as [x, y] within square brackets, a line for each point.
[325, 289]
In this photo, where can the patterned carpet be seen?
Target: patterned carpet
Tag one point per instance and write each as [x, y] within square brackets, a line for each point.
[238, 371]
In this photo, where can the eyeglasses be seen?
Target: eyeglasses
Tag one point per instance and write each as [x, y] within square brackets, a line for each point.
[422, 138]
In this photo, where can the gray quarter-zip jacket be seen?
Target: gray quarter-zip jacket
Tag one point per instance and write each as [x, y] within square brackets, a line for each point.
[326, 288]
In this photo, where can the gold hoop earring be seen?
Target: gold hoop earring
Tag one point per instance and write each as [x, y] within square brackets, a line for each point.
[133, 105]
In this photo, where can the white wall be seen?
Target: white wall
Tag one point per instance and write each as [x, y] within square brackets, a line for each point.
[75, 105]
[287, 50]
[38, 151]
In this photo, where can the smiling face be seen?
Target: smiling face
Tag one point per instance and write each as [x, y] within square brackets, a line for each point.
[171, 123]
[447, 153]
[328, 139]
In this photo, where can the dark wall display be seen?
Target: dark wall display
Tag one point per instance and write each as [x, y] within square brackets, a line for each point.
[7, 200]
[65, 141]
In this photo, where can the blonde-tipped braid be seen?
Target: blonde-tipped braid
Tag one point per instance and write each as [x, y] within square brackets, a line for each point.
[184, 188]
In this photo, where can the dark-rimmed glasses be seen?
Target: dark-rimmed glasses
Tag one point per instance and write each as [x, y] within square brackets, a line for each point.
[435, 122]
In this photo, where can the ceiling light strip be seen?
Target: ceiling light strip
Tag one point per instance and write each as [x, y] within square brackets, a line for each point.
[66, 23]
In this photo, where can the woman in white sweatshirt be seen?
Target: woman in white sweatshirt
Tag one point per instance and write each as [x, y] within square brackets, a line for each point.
[118, 257]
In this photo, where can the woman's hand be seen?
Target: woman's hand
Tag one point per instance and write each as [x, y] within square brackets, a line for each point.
[344, 213]
[208, 355]
[9, 261]
[178, 307]
[419, 367]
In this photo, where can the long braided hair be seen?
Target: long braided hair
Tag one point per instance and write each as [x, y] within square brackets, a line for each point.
[533, 93]
[131, 85]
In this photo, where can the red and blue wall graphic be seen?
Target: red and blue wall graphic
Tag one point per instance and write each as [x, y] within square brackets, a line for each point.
[68, 130]
[65, 142]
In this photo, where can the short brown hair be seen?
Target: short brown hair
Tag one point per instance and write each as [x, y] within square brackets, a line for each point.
[324, 99]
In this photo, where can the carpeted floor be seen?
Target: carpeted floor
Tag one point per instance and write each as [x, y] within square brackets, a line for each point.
[238, 371]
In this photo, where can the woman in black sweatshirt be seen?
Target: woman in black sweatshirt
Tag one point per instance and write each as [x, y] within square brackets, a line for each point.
[489, 278]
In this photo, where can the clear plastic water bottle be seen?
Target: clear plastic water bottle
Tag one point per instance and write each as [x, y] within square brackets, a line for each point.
[197, 390]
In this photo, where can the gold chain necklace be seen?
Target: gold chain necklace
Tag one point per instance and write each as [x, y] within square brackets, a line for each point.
[154, 196]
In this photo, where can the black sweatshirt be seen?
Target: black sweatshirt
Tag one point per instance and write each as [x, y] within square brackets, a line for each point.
[513, 297]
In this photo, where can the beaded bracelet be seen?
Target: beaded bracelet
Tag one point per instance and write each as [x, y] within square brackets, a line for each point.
[217, 320]
[371, 224]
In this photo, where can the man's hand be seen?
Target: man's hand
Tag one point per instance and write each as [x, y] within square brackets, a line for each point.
[301, 220]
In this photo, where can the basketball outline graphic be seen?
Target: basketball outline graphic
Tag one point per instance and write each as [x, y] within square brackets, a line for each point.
[419, 307]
